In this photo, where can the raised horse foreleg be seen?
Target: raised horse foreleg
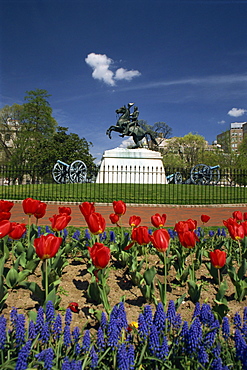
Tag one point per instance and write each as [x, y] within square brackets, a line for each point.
[112, 128]
[109, 130]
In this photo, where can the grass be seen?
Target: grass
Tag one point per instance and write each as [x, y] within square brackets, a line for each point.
[180, 194]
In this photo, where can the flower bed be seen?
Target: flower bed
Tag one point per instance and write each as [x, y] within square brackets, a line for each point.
[180, 273]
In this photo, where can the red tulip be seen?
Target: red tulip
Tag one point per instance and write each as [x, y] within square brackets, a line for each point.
[192, 224]
[158, 220]
[30, 206]
[205, 218]
[236, 230]
[96, 223]
[100, 255]
[87, 208]
[114, 218]
[134, 221]
[119, 207]
[140, 235]
[5, 205]
[66, 210]
[17, 230]
[41, 210]
[5, 228]
[218, 258]
[244, 225]
[59, 222]
[188, 239]
[160, 239]
[237, 215]
[181, 227]
[47, 246]
[73, 307]
[5, 216]
[245, 216]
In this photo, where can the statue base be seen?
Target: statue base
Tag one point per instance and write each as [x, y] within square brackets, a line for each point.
[138, 166]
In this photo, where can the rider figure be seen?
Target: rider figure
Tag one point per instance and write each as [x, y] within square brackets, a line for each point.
[133, 120]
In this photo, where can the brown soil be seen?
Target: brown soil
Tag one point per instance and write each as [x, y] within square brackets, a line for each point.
[75, 281]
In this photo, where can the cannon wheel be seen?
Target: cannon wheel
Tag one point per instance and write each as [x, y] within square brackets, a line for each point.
[60, 174]
[215, 176]
[178, 178]
[201, 174]
[78, 172]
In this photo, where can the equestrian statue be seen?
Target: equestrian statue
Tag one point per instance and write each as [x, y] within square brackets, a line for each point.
[127, 125]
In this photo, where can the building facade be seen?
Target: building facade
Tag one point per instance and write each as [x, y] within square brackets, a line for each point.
[230, 139]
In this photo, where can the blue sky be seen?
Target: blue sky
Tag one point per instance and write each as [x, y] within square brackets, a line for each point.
[181, 62]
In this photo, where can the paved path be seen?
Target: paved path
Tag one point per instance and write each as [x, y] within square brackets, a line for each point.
[174, 213]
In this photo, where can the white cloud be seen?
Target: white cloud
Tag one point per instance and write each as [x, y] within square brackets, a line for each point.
[221, 122]
[127, 142]
[123, 74]
[235, 112]
[100, 64]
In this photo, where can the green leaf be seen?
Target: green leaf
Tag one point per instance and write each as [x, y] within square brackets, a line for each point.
[242, 269]
[220, 309]
[22, 275]
[12, 278]
[220, 296]
[32, 315]
[17, 263]
[194, 290]
[2, 262]
[3, 297]
[23, 259]
[19, 247]
[179, 301]
[52, 296]
[149, 275]
[32, 265]
[162, 290]
[93, 292]
[136, 277]
[34, 288]
[30, 252]
[213, 271]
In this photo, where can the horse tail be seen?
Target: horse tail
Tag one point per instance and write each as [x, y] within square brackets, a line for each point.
[151, 137]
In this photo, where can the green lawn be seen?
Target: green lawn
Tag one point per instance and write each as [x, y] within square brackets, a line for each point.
[129, 193]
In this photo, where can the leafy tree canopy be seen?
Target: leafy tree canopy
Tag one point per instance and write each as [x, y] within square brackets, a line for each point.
[241, 158]
[36, 116]
[65, 147]
[37, 138]
[188, 149]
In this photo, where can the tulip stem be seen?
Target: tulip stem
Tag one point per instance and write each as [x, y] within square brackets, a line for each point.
[219, 277]
[29, 229]
[192, 266]
[240, 252]
[45, 271]
[165, 279]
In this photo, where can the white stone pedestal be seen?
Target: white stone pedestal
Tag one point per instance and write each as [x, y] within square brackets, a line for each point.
[141, 165]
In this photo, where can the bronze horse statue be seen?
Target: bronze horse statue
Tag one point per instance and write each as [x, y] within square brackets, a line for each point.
[127, 125]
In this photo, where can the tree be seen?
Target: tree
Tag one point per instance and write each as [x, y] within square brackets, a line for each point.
[36, 117]
[37, 139]
[188, 150]
[9, 124]
[241, 158]
[160, 131]
[35, 125]
[65, 147]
